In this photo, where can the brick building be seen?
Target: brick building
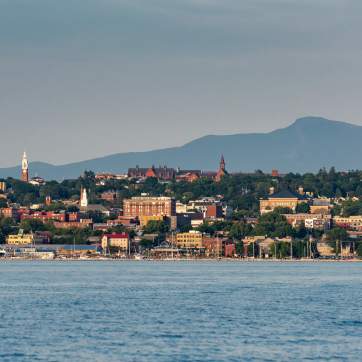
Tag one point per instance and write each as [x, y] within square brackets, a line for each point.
[110, 196]
[162, 172]
[149, 206]
[214, 211]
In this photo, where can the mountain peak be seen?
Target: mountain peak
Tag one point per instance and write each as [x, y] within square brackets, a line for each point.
[313, 121]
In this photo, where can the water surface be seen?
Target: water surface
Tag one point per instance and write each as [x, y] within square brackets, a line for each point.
[179, 311]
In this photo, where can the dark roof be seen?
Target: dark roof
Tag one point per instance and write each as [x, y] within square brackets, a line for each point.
[287, 194]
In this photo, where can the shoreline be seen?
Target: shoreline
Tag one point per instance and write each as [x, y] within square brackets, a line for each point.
[228, 260]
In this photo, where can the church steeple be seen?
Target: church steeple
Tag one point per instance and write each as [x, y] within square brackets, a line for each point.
[83, 197]
[24, 168]
[222, 163]
[222, 170]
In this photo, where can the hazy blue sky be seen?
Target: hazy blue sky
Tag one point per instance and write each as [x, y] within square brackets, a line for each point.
[85, 78]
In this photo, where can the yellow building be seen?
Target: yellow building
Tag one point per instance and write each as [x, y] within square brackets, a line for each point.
[285, 198]
[20, 239]
[190, 240]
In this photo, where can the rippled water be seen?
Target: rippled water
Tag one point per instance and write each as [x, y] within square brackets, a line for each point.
[180, 311]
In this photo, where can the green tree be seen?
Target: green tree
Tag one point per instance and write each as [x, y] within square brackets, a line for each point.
[239, 230]
[156, 226]
[359, 249]
[273, 224]
[303, 208]
[146, 244]
[335, 236]
[32, 225]
[239, 247]
[3, 203]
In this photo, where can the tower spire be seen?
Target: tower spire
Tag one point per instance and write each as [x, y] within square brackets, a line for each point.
[24, 168]
[222, 170]
[222, 163]
[83, 197]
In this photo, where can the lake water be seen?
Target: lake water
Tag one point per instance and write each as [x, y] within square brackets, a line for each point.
[180, 311]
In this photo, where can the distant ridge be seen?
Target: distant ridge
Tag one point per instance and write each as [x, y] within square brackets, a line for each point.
[307, 145]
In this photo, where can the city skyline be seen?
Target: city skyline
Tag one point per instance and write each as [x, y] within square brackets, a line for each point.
[124, 76]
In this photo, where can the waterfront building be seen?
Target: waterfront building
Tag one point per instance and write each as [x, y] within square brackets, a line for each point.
[20, 239]
[119, 241]
[229, 249]
[213, 246]
[149, 206]
[165, 250]
[190, 240]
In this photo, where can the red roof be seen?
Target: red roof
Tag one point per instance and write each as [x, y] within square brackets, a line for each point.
[117, 236]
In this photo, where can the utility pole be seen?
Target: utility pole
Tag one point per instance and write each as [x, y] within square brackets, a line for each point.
[291, 249]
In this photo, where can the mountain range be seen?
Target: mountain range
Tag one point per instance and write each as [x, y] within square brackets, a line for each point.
[307, 145]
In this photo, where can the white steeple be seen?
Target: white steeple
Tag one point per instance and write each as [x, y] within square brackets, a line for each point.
[83, 197]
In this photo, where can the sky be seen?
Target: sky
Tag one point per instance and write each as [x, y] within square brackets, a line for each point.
[87, 78]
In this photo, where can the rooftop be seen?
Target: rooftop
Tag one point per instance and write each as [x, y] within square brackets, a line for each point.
[287, 194]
